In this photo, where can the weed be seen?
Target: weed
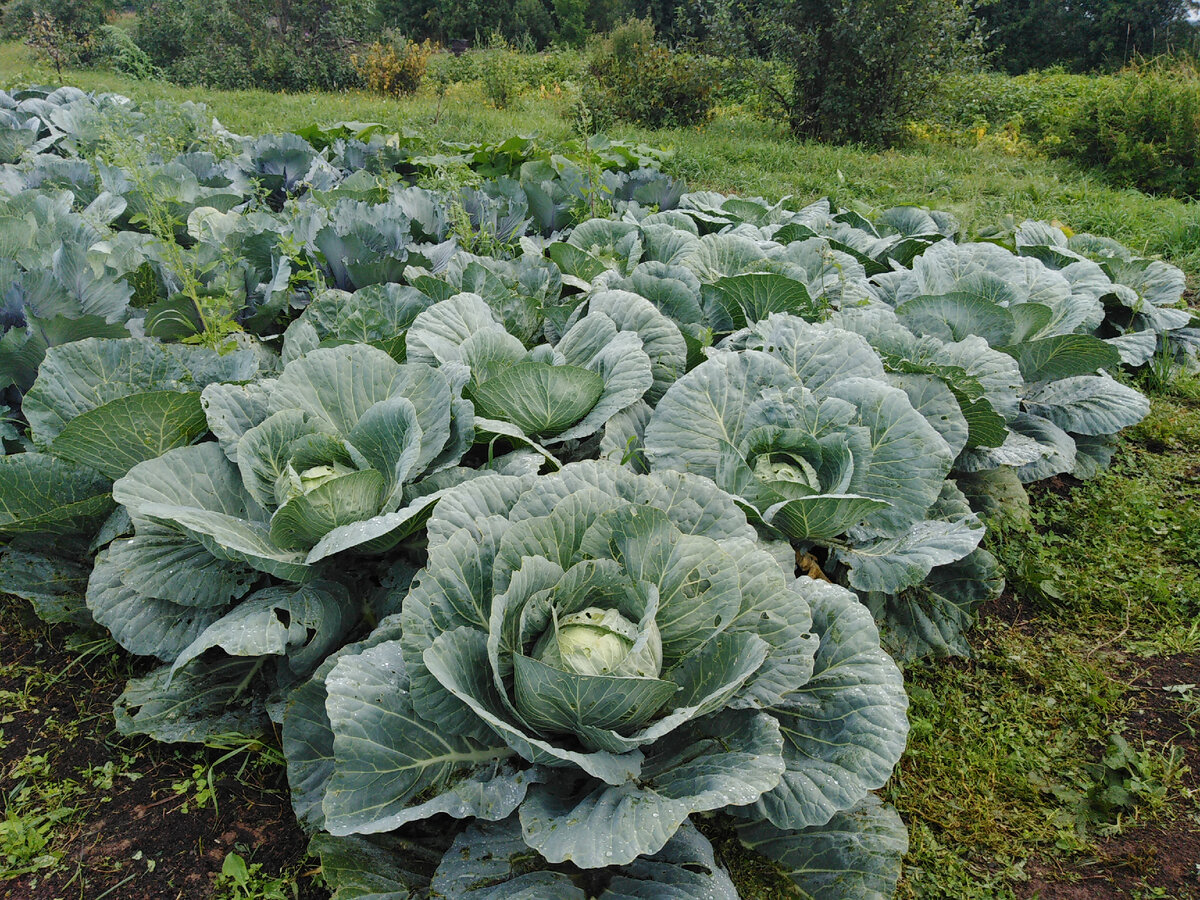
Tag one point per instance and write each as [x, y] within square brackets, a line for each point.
[242, 880]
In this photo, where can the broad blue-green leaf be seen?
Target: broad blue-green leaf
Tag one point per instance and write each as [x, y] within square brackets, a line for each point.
[1055, 446]
[820, 355]
[1088, 404]
[747, 299]
[932, 618]
[491, 861]
[1063, 356]
[985, 427]
[233, 409]
[376, 868]
[689, 501]
[998, 374]
[575, 262]
[162, 563]
[661, 338]
[233, 539]
[263, 453]
[436, 335]
[704, 412]
[379, 314]
[378, 533]
[54, 585]
[564, 703]
[458, 660]
[141, 624]
[385, 754]
[618, 357]
[955, 316]
[909, 459]
[623, 440]
[307, 743]
[300, 624]
[719, 255]
[855, 854]
[40, 494]
[890, 565]
[82, 376]
[307, 737]
[22, 350]
[1029, 319]
[197, 491]
[1136, 348]
[206, 699]
[1093, 454]
[938, 404]
[696, 580]
[540, 399]
[821, 517]
[338, 384]
[201, 477]
[115, 437]
[684, 869]
[308, 517]
[726, 760]
[844, 730]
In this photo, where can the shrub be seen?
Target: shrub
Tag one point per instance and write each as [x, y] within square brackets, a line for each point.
[64, 31]
[223, 43]
[118, 49]
[395, 68]
[863, 68]
[645, 82]
[1141, 128]
[499, 73]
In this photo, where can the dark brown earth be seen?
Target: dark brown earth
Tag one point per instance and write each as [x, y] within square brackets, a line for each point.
[145, 837]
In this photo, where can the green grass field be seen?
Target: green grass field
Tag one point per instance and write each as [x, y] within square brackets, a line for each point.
[1005, 785]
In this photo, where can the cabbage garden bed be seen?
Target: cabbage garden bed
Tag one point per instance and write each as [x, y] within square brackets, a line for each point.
[559, 519]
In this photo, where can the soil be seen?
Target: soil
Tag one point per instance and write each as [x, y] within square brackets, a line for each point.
[144, 837]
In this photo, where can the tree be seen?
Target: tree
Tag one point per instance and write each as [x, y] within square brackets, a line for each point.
[862, 68]
[1080, 34]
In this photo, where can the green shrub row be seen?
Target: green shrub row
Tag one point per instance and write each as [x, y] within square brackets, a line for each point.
[1140, 127]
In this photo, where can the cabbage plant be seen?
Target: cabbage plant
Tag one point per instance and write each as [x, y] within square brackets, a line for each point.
[346, 450]
[590, 658]
[552, 393]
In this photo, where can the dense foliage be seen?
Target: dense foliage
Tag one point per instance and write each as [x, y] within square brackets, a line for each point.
[547, 516]
[1137, 128]
[859, 69]
[273, 44]
[1083, 34]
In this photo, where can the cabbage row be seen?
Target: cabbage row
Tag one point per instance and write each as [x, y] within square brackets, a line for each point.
[542, 537]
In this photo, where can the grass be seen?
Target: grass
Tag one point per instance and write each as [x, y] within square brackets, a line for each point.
[1004, 746]
[1006, 764]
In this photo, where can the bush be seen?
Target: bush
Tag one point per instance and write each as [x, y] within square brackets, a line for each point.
[119, 50]
[499, 73]
[67, 31]
[229, 43]
[644, 82]
[395, 68]
[863, 68]
[1141, 128]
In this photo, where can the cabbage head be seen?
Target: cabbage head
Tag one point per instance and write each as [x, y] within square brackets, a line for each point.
[599, 655]
[323, 459]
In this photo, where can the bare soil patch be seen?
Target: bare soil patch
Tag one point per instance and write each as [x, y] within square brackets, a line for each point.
[140, 834]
